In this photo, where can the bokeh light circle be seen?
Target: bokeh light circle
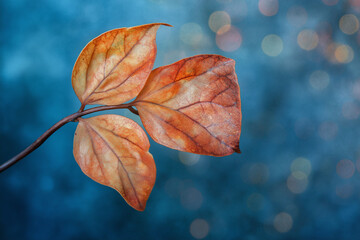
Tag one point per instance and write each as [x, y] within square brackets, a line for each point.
[283, 222]
[319, 80]
[272, 45]
[344, 53]
[301, 165]
[345, 168]
[349, 24]
[199, 228]
[228, 39]
[218, 20]
[297, 183]
[268, 7]
[355, 4]
[188, 159]
[308, 39]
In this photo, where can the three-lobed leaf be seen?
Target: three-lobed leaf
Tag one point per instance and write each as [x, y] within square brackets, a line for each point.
[193, 105]
[113, 67]
[113, 150]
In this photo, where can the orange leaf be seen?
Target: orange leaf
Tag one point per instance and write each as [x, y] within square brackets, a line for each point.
[193, 105]
[113, 150]
[113, 67]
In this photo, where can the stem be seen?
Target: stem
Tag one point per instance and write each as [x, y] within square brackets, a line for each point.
[133, 110]
[62, 122]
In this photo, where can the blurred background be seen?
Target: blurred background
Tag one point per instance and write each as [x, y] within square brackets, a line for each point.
[298, 176]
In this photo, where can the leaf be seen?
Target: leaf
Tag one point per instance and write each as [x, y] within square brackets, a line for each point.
[113, 67]
[193, 105]
[113, 150]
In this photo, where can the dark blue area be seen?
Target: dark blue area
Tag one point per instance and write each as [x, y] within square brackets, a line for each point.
[247, 196]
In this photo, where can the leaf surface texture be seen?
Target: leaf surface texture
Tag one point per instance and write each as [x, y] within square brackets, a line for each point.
[114, 66]
[193, 105]
[113, 150]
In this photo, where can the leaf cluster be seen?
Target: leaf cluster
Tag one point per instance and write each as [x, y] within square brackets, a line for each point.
[192, 105]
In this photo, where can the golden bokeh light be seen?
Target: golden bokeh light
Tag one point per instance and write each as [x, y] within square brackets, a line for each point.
[272, 45]
[297, 16]
[283, 222]
[344, 53]
[218, 20]
[268, 7]
[308, 39]
[345, 168]
[349, 24]
[228, 39]
[199, 228]
[329, 52]
[319, 80]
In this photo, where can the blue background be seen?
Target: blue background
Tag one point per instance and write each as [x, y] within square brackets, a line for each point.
[259, 194]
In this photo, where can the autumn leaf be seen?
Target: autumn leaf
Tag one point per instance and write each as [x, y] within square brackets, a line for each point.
[113, 67]
[193, 105]
[113, 150]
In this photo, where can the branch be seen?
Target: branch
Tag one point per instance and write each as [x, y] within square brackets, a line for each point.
[62, 122]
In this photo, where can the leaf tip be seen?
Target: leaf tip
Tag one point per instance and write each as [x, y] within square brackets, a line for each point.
[138, 205]
[237, 149]
[140, 208]
[166, 24]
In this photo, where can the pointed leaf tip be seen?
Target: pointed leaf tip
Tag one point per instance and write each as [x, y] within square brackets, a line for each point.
[113, 67]
[113, 150]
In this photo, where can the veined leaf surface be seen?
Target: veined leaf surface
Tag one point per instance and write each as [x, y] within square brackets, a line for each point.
[114, 66]
[193, 105]
[113, 150]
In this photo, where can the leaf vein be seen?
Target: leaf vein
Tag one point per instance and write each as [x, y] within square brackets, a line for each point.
[122, 165]
[117, 64]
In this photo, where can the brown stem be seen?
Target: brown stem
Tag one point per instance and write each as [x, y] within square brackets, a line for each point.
[82, 108]
[50, 131]
[133, 110]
